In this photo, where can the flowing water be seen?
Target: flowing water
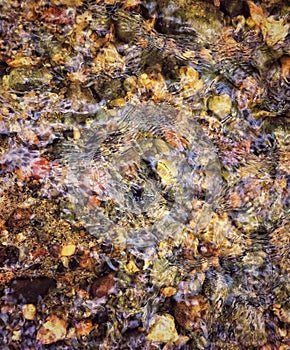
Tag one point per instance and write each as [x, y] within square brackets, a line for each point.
[144, 175]
[145, 170]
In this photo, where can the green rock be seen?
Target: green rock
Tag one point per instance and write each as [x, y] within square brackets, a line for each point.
[27, 78]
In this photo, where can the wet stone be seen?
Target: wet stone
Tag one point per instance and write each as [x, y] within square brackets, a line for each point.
[198, 18]
[30, 290]
[126, 209]
[103, 286]
[24, 79]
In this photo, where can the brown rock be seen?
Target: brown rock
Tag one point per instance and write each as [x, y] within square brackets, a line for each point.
[103, 286]
[19, 218]
[191, 313]
[31, 289]
[8, 255]
[55, 250]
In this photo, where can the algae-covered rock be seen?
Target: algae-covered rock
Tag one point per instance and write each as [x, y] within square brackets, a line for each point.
[27, 78]
[249, 325]
[190, 17]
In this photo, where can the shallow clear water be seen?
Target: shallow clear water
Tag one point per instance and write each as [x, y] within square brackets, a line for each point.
[144, 174]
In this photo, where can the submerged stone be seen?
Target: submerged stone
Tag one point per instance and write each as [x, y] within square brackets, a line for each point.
[190, 17]
[29, 290]
[27, 78]
[163, 329]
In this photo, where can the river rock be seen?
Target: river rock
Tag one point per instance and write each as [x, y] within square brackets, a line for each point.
[163, 329]
[30, 290]
[190, 17]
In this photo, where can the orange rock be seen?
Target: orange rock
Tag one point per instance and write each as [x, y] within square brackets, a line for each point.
[86, 262]
[235, 200]
[93, 202]
[256, 12]
[39, 252]
[40, 168]
[84, 327]
[192, 313]
[168, 291]
[53, 330]
[56, 15]
[174, 139]
[131, 4]
[285, 62]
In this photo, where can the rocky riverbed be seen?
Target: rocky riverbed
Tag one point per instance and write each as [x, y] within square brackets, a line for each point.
[144, 174]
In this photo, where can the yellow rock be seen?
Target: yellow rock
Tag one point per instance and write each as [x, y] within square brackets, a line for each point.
[131, 267]
[131, 3]
[163, 329]
[68, 250]
[154, 84]
[16, 335]
[108, 60]
[67, 2]
[274, 30]
[189, 81]
[28, 311]
[168, 291]
[220, 105]
[53, 330]
[167, 171]
[118, 102]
